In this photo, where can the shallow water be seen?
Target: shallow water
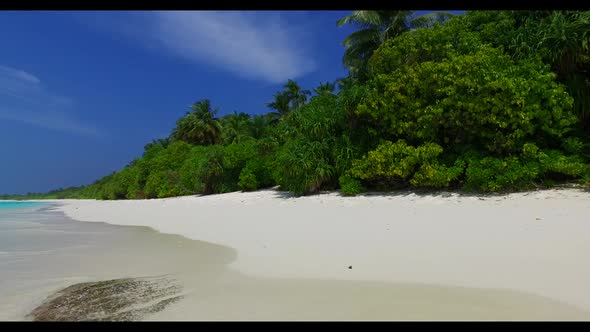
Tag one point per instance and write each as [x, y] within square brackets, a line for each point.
[5, 205]
[42, 251]
[60, 269]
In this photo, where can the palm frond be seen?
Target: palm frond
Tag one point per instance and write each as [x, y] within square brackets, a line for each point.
[362, 18]
[430, 19]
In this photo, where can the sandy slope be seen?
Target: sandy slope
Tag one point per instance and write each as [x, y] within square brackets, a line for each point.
[537, 242]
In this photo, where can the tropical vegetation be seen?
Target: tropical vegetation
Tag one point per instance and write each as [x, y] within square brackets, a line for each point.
[488, 101]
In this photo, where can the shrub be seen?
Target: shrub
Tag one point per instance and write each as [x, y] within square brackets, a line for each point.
[170, 158]
[235, 158]
[494, 174]
[350, 186]
[247, 181]
[162, 184]
[315, 148]
[554, 162]
[437, 176]
[318, 119]
[522, 171]
[344, 151]
[303, 166]
[117, 185]
[573, 145]
[202, 171]
[400, 164]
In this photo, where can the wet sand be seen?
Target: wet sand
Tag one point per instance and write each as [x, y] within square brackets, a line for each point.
[56, 252]
[167, 277]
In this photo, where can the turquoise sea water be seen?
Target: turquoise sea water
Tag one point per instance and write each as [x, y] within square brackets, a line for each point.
[16, 205]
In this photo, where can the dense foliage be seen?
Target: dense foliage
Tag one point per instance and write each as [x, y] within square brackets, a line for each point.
[486, 101]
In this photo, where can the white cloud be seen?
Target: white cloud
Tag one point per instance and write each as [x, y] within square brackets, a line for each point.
[23, 98]
[19, 75]
[50, 119]
[255, 45]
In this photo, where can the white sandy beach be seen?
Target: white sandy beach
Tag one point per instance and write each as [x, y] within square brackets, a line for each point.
[531, 243]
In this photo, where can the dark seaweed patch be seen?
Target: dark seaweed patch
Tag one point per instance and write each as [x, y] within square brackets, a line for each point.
[125, 299]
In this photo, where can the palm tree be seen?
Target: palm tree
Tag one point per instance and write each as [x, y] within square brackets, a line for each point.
[325, 88]
[297, 95]
[258, 126]
[288, 100]
[199, 126]
[376, 26]
[236, 127]
[281, 103]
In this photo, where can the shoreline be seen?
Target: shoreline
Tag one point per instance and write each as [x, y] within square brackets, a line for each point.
[56, 268]
[532, 242]
[168, 277]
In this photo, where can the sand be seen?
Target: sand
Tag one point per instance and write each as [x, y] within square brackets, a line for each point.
[43, 251]
[398, 256]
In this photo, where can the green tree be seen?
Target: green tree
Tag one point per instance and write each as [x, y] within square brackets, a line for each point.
[325, 88]
[199, 126]
[467, 111]
[160, 172]
[481, 99]
[375, 27]
[560, 38]
[237, 127]
[297, 95]
[281, 104]
[154, 147]
[290, 99]
[259, 126]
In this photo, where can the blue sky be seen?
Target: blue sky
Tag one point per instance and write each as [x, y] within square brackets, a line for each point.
[81, 93]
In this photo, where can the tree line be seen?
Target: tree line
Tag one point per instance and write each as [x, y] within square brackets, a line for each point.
[486, 101]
